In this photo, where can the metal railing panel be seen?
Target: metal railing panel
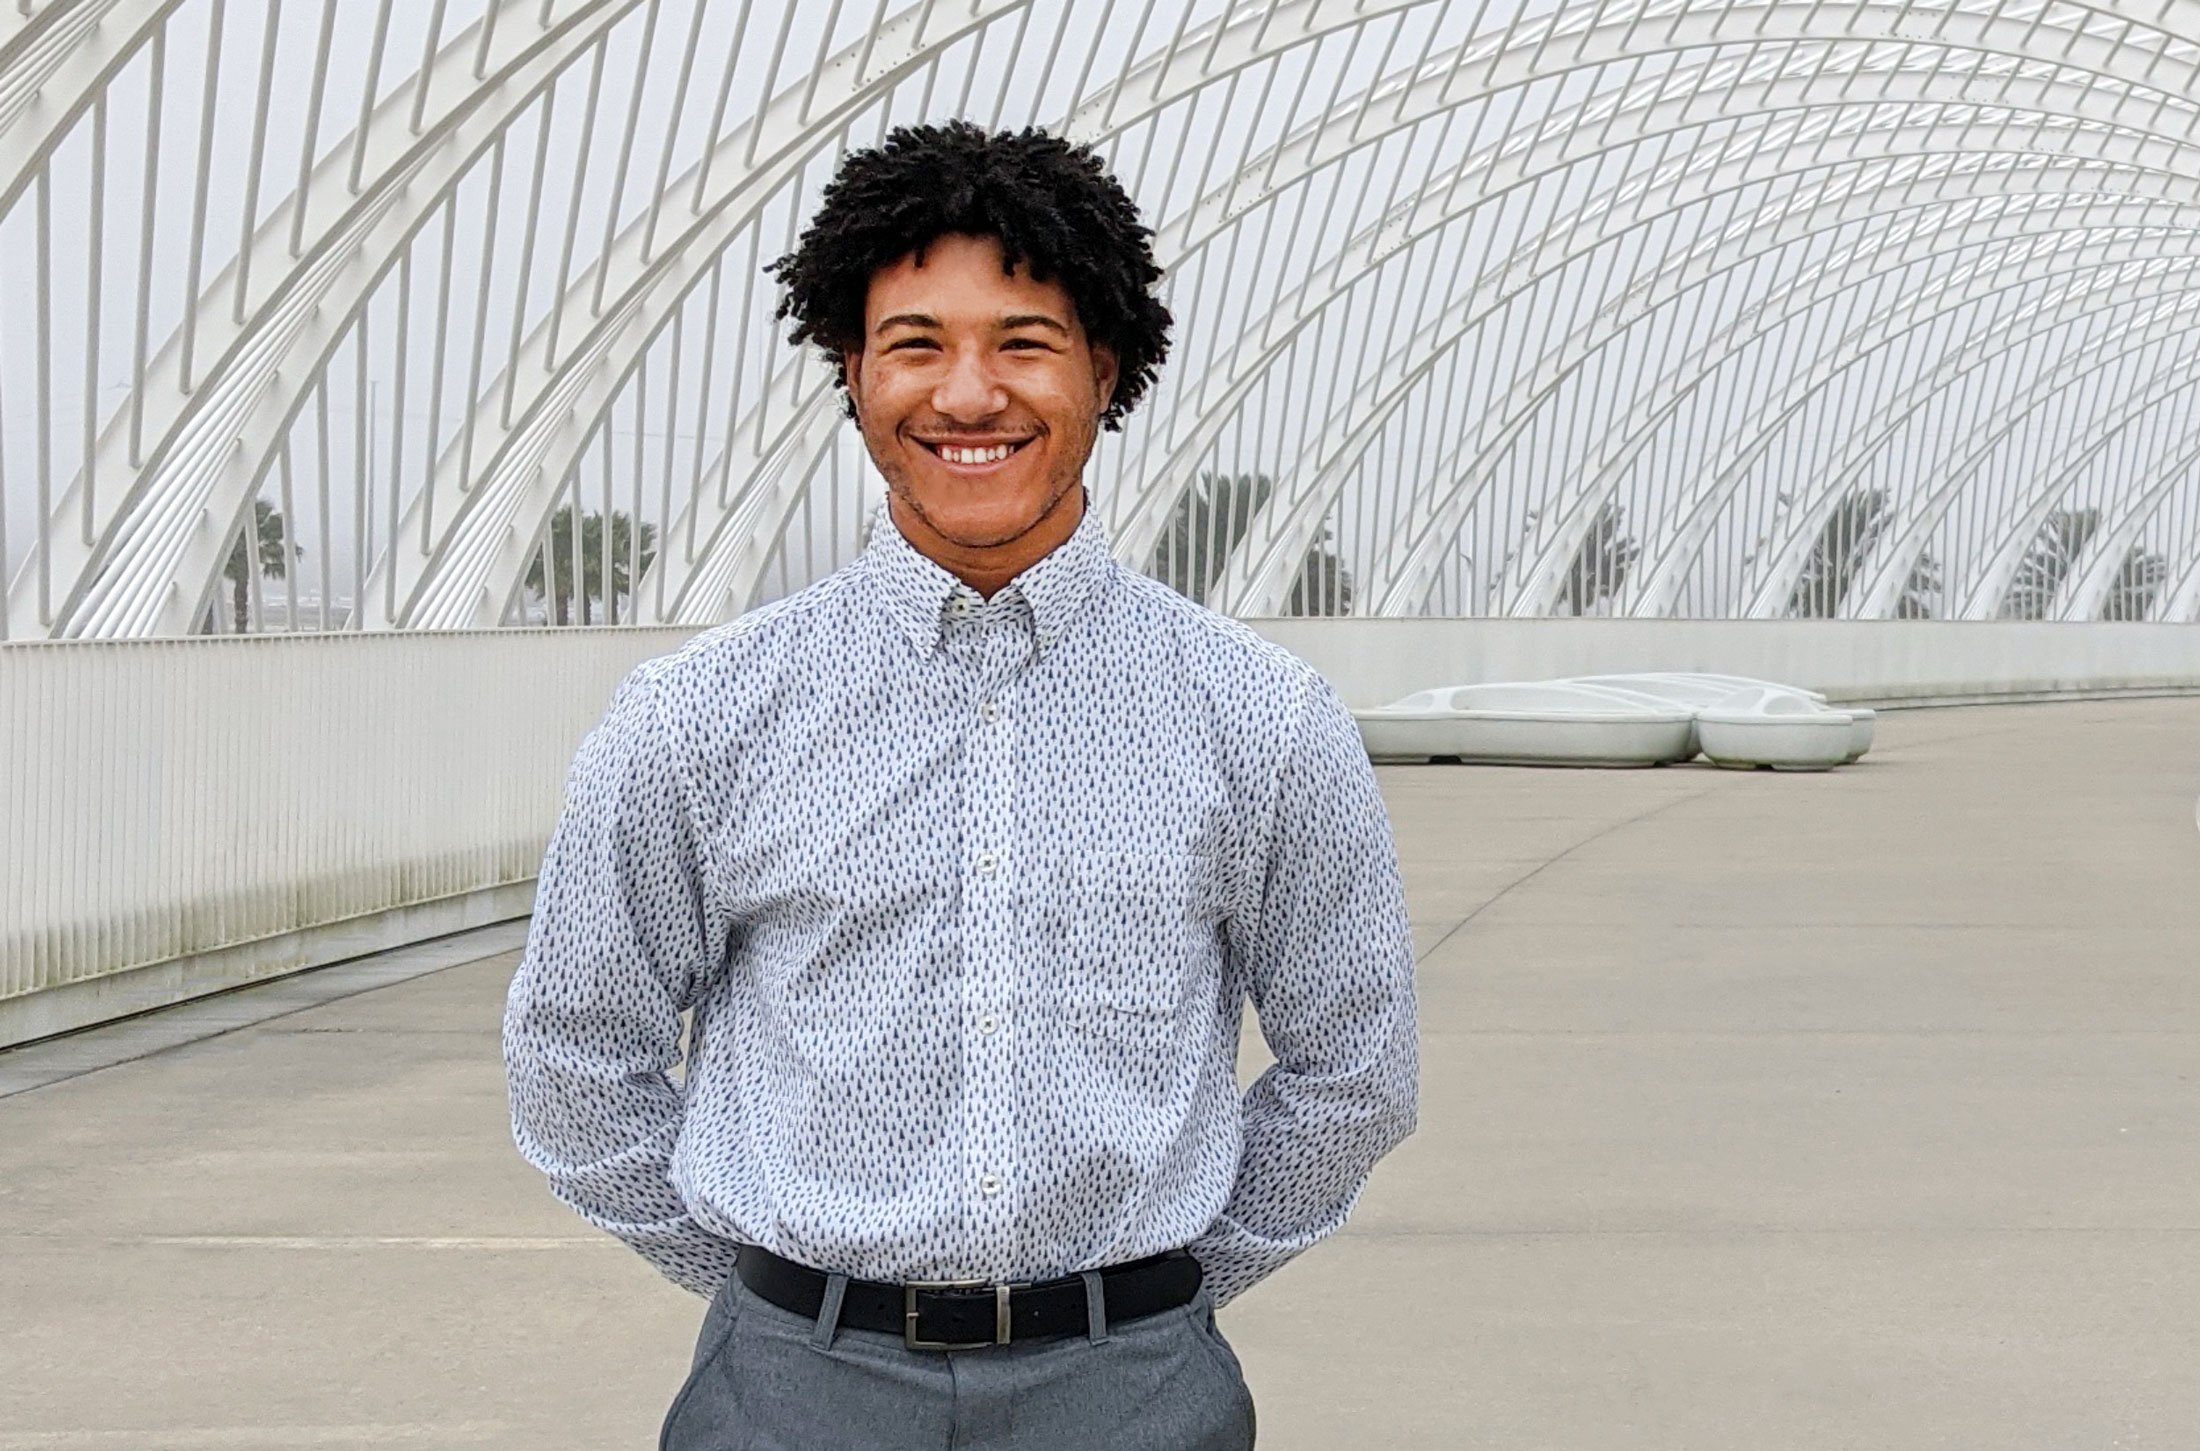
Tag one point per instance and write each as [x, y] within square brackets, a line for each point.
[166, 798]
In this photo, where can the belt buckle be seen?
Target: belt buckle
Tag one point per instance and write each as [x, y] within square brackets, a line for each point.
[911, 1290]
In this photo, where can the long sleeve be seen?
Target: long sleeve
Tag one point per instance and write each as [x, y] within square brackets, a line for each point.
[619, 946]
[1328, 962]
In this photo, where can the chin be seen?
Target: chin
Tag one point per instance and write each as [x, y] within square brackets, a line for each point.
[980, 523]
[982, 528]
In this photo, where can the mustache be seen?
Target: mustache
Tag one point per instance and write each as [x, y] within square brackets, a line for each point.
[945, 427]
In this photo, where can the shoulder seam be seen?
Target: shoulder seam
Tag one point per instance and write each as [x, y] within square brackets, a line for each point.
[1212, 622]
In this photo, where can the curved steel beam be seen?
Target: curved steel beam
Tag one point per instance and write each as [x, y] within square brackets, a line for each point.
[1672, 561]
[760, 478]
[1884, 583]
[1663, 582]
[1458, 482]
[1178, 75]
[1868, 440]
[1265, 575]
[1260, 576]
[1983, 598]
[2181, 601]
[1137, 515]
[54, 65]
[193, 447]
[2104, 555]
[473, 573]
[468, 572]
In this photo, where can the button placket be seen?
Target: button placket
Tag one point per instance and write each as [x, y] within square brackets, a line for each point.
[990, 940]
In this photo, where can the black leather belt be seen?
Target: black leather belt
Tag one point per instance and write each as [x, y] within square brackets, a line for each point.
[965, 1315]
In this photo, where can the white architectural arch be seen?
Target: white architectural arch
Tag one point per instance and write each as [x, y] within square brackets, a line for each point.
[1266, 574]
[1464, 473]
[381, 316]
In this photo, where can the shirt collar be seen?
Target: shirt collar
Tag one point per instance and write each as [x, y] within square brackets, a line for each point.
[917, 592]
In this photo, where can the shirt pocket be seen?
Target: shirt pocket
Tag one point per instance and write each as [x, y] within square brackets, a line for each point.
[1138, 938]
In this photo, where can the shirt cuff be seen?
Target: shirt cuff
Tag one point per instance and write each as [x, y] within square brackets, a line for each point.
[680, 1249]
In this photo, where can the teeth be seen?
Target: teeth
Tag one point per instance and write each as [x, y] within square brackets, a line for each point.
[976, 455]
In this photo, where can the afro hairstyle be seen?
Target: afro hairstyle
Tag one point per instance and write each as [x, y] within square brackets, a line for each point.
[1052, 207]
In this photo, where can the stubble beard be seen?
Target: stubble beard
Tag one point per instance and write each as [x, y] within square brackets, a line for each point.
[897, 483]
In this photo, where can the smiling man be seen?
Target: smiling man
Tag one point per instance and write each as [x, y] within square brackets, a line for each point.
[966, 862]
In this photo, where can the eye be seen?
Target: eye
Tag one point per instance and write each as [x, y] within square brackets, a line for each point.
[904, 344]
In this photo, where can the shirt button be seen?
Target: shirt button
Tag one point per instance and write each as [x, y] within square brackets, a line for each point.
[990, 1183]
[987, 861]
[987, 1023]
[989, 712]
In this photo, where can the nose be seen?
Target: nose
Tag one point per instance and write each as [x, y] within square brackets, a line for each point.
[969, 392]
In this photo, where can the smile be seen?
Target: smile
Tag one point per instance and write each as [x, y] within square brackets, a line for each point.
[974, 455]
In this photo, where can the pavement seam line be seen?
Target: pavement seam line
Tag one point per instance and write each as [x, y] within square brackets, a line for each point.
[1540, 867]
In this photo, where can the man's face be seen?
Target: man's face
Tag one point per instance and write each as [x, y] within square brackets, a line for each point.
[979, 396]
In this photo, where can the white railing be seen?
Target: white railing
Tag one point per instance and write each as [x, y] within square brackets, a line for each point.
[222, 803]
[179, 816]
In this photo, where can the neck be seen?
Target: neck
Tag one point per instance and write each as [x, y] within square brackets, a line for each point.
[987, 568]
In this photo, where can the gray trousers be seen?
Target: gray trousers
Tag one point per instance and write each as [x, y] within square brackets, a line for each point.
[768, 1380]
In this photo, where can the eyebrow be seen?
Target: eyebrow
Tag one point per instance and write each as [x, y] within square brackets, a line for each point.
[1012, 321]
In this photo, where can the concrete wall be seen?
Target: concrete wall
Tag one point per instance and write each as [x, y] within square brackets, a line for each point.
[181, 816]
[1926, 662]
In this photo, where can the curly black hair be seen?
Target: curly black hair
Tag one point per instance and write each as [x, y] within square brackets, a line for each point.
[1052, 206]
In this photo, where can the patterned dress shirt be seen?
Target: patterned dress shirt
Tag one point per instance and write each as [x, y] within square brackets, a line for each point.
[966, 898]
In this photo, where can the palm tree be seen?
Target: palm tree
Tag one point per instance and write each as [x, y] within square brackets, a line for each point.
[1323, 585]
[1844, 542]
[1211, 518]
[1600, 566]
[2062, 538]
[624, 560]
[273, 560]
[2139, 580]
[1920, 589]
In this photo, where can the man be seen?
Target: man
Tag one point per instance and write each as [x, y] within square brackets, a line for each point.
[965, 862]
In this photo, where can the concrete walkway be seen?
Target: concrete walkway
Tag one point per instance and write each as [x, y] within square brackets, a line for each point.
[1761, 1111]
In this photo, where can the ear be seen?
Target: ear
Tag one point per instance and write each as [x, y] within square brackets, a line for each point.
[1105, 371]
[851, 367]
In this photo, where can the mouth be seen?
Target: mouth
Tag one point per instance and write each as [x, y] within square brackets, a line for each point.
[974, 458]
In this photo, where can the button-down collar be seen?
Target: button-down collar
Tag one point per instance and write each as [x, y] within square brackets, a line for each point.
[919, 595]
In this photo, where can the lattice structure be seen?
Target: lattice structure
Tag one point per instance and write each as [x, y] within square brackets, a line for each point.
[434, 314]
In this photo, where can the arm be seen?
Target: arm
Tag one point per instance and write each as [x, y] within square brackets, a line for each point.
[1328, 961]
[620, 945]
